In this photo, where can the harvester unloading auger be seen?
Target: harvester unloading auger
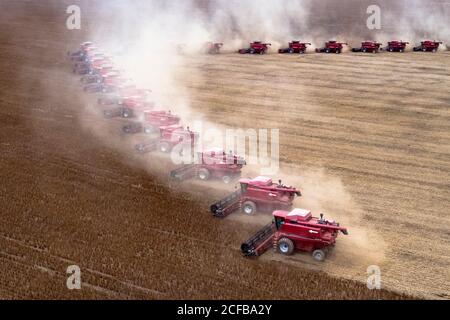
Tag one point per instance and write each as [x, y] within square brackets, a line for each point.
[295, 230]
[259, 194]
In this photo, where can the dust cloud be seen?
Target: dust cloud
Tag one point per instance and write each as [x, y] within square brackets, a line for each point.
[152, 41]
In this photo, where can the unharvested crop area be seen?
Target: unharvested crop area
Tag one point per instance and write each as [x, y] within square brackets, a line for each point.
[366, 137]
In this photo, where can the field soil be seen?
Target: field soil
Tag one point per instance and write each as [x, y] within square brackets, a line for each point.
[366, 138]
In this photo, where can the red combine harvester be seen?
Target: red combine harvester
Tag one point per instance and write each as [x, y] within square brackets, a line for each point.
[295, 47]
[96, 82]
[180, 48]
[117, 84]
[153, 120]
[81, 52]
[212, 164]
[110, 82]
[256, 194]
[295, 230]
[130, 106]
[256, 47]
[332, 47]
[169, 137]
[88, 66]
[123, 93]
[81, 68]
[213, 47]
[428, 46]
[100, 77]
[103, 69]
[396, 46]
[369, 46]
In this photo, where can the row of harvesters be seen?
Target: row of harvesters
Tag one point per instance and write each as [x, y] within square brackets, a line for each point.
[291, 229]
[163, 129]
[331, 46]
[397, 46]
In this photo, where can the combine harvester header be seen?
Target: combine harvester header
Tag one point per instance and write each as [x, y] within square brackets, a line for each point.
[295, 230]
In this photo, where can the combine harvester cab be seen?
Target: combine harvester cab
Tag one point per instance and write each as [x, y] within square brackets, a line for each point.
[428, 46]
[213, 47]
[295, 47]
[214, 163]
[153, 120]
[396, 46]
[259, 194]
[369, 46]
[296, 230]
[332, 47]
[169, 137]
[256, 47]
